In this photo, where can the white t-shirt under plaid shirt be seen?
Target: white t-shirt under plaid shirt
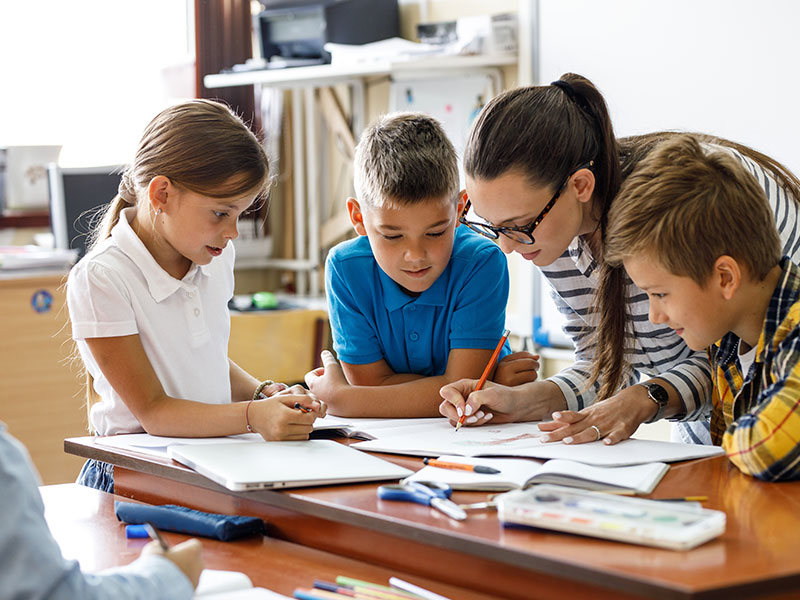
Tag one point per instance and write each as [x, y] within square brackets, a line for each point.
[652, 350]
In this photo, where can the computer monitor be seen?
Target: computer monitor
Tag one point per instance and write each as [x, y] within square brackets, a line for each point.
[75, 196]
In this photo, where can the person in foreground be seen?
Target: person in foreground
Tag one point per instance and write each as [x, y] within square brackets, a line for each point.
[31, 564]
[415, 301]
[549, 201]
[693, 229]
[148, 304]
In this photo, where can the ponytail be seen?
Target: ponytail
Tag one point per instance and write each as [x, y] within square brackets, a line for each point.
[106, 217]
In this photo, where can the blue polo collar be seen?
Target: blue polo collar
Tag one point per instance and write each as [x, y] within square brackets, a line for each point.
[395, 298]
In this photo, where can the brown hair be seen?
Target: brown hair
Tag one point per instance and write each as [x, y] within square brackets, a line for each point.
[200, 145]
[642, 159]
[545, 133]
[687, 207]
[405, 158]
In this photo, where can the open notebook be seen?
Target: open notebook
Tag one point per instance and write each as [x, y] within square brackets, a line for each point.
[231, 585]
[243, 466]
[520, 473]
[523, 440]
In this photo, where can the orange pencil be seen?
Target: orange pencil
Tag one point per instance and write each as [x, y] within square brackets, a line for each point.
[486, 371]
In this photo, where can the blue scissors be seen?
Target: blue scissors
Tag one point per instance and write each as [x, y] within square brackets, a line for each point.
[436, 495]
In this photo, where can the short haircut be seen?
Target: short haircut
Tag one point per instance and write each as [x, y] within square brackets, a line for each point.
[685, 205]
[405, 158]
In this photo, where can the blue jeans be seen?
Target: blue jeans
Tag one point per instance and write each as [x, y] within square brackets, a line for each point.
[97, 475]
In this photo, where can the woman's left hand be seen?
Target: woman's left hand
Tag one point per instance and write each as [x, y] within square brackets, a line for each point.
[612, 420]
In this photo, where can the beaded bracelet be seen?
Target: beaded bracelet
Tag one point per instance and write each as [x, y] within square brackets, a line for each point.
[260, 388]
[256, 396]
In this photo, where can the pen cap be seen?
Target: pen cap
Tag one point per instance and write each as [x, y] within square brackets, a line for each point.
[136, 532]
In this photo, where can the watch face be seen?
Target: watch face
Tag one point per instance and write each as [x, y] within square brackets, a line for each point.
[658, 393]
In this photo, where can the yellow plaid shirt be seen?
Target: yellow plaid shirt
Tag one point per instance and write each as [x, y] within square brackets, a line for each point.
[757, 419]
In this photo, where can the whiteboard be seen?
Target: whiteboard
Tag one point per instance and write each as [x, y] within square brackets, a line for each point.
[725, 67]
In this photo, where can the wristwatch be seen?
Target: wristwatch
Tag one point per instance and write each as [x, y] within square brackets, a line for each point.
[660, 396]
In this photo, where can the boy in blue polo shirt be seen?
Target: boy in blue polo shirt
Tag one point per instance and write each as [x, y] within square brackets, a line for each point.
[416, 302]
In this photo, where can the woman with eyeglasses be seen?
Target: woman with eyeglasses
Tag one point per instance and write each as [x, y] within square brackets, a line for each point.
[542, 169]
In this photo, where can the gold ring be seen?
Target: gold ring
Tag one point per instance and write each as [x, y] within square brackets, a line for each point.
[599, 435]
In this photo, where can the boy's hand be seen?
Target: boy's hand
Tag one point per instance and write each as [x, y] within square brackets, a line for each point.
[186, 557]
[276, 418]
[517, 368]
[327, 380]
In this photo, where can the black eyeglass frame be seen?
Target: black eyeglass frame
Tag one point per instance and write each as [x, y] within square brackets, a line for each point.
[486, 229]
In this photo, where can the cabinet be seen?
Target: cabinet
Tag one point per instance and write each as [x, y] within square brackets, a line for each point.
[282, 345]
[42, 398]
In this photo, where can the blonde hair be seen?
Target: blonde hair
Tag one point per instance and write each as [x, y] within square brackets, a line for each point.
[405, 158]
[200, 145]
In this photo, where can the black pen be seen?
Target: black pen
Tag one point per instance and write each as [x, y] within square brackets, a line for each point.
[156, 535]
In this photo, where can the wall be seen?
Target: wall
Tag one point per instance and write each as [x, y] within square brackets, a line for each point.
[725, 67]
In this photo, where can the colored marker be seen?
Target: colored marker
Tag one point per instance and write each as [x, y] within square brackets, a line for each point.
[486, 371]
[443, 464]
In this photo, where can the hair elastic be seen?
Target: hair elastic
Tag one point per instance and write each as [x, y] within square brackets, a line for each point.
[567, 88]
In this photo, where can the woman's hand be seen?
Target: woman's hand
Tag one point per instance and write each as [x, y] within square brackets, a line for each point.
[498, 403]
[517, 368]
[612, 420]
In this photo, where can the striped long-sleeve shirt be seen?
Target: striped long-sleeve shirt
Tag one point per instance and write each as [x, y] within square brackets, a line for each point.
[757, 418]
[651, 350]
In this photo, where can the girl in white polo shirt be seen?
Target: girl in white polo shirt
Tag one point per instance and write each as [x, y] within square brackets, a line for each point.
[148, 303]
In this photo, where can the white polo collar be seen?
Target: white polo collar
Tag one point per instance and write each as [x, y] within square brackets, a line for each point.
[160, 283]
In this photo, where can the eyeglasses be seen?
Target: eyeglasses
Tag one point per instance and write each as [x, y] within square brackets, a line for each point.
[523, 234]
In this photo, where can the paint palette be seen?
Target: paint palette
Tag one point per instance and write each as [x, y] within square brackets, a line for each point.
[672, 525]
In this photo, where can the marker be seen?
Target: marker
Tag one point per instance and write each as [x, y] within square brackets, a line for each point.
[486, 371]
[442, 464]
[684, 499]
[156, 535]
[301, 408]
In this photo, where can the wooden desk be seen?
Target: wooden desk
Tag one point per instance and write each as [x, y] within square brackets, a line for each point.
[83, 523]
[756, 557]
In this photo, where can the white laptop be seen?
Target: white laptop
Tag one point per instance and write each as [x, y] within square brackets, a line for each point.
[265, 465]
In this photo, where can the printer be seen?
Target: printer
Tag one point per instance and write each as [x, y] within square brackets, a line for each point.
[297, 30]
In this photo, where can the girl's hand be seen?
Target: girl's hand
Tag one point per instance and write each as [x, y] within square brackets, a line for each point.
[517, 368]
[329, 380]
[276, 417]
[186, 556]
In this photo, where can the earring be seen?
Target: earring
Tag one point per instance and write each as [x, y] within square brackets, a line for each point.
[158, 211]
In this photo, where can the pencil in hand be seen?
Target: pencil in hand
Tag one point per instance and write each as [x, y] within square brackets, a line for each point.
[302, 408]
[486, 371]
